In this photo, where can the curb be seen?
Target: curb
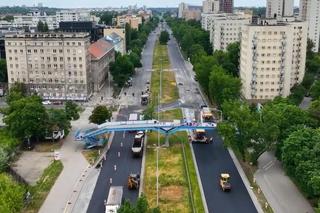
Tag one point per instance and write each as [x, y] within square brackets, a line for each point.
[245, 181]
[143, 163]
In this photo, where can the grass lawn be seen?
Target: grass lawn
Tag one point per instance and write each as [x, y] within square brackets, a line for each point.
[169, 87]
[91, 155]
[40, 191]
[174, 194]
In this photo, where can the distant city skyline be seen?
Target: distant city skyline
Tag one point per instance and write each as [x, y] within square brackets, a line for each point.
[124, 3]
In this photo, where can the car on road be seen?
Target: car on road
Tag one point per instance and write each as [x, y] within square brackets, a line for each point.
[137, 146]
[148, 82]
[180, 84]
[46, 102]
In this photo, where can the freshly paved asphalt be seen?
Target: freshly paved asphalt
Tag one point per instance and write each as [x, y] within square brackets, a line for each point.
[212, 159]
[122, 141]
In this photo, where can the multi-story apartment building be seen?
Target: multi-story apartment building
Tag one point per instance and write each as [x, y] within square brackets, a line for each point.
[226, 6]
[102, 53]
[53, 65]
[31, 20]
[272, 59]
[72, 15]
[310, 12]
[279, 8]
[211, 6]
[225, 28]
[182, 7]
[133, 20]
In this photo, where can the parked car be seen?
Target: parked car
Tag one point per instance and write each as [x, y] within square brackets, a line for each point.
[46, 102]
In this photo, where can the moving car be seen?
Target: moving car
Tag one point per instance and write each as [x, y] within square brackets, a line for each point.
[199, 136]
[137, 146]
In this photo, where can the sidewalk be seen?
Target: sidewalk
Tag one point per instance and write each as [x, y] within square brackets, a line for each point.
[74, 165]
[282, 195]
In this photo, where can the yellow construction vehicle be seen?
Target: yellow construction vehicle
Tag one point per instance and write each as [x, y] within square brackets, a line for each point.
[199, 136]
[133, 181]
[225, 182]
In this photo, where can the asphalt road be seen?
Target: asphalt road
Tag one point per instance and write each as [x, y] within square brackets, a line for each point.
[212, 159]
[122, 141]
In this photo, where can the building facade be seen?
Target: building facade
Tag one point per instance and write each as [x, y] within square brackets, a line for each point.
[52, 65]
[279, 8]
[272, 59]
[211, 6]
[113, 34]
[226, 6]
[182, 7]
[133, 20]
[225, 28]
[310, 12]
[102, 54]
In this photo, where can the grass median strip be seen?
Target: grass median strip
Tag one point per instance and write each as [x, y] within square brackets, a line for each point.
[169, 87]
[175, 193]
[40, 191]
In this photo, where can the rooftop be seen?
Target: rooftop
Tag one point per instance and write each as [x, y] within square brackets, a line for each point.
[99, 48]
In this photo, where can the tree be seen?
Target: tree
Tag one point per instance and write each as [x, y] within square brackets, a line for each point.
[58, 120]
[121, 69]
[203, 69]
[197, 52]
[45, 27]
[300, 157]
[148, 113]
[3, 71]
[72, 110]
[297, 94]
[314, 109]
[26, 118]
[164, 37]
[233, 55]
[135, 59]
[100, 115]
[283, 118]
[128, 35]
[4, 158]
[40, 26]
[240, 128]
[16, 92]
[222, 86]
[141, 206]
[315, 90]
[11, 195]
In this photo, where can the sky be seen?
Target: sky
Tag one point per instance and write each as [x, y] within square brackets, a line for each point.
[119, 3]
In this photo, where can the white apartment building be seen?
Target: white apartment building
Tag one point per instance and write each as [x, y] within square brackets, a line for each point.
[182, 8]
[272, 59]
[53, 65]
[279, 8]
[211, 6]
[31, 20]
[226, 28]
[310, 12]
[72, 15]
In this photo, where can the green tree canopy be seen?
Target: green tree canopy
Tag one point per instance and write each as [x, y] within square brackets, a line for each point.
[121, 70]
[58, 120]
[164, 37]
[300, 157]
[135, 59]
[100, 115]
[315, 90]
[11, 194]
[72, 110]
[222, 86]
[16, 92]
[3, 71]
[26, 117]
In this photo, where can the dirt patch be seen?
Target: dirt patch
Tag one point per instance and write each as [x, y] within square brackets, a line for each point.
[173, 193]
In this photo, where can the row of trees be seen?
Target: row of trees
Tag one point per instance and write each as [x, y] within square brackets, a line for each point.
[42, 27]
[124, 66]
[217, 73]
